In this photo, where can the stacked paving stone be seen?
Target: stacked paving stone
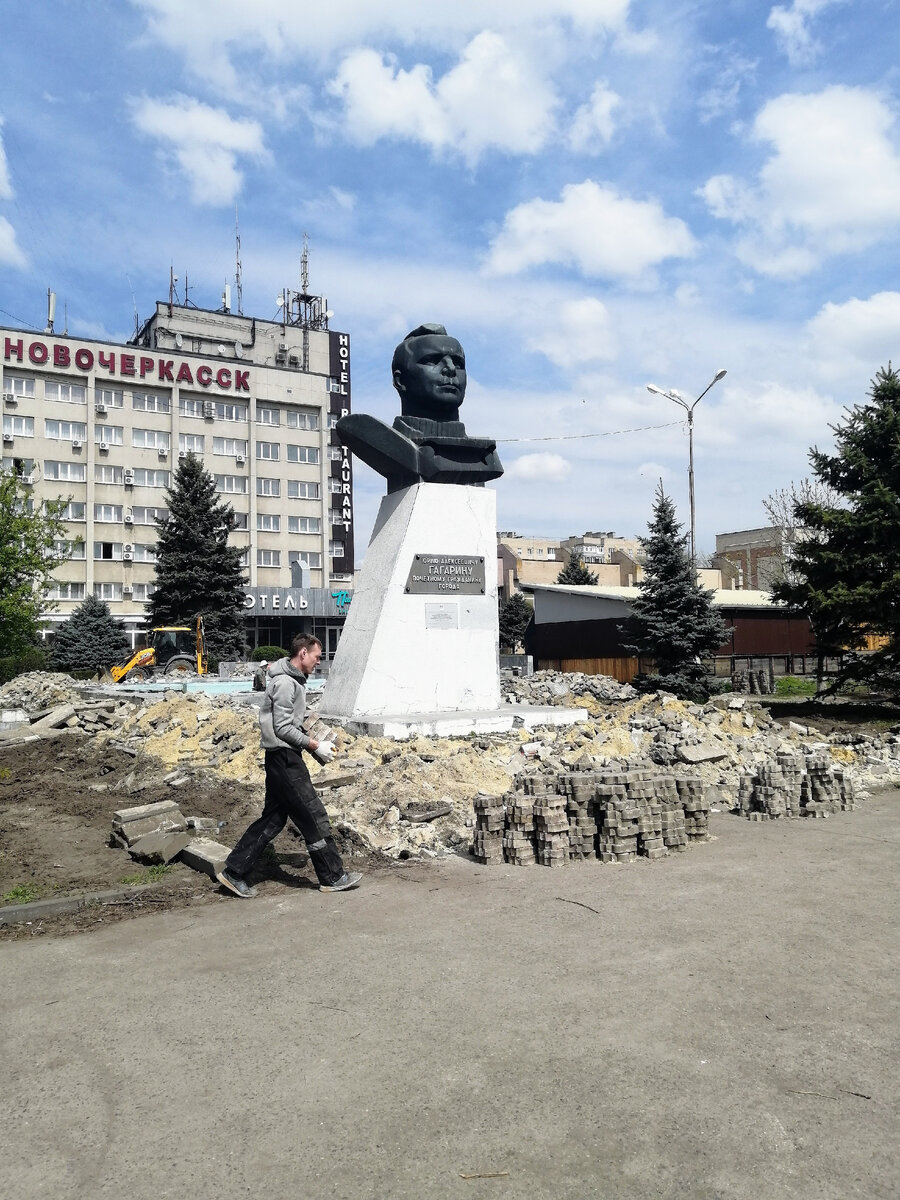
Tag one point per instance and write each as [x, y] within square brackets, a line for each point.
[825, 791]
[773, 790]
[580, 789]
[490, 814]
[691, 793]
[551, 829]
[518, 832]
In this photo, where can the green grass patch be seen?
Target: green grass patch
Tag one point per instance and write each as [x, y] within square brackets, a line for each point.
[791, 685]
[22, 893]
[5, 773]
[149, 875]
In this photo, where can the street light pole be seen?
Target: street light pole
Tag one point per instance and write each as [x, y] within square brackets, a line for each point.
[689, 409]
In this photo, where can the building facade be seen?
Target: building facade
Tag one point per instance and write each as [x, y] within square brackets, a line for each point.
[104, 424]
[756, 557]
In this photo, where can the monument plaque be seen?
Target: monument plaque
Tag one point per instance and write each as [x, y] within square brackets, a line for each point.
[442, 616]
[437, 574]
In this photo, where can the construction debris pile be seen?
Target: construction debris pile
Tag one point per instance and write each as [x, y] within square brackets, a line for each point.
[792, 786]
[615, 815]
[556, 687]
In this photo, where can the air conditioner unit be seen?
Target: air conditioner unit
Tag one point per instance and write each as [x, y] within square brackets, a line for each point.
[28, 480]
[128, 476]
[103, 447]
[240, 459]
[128, 518]
[182, 453]
[209, 409]
[162, 452]
[100, 407]
[76, 443]
[127, 556]
[282, 346]
[280, 358]
[7, 437]
[10, 397]
[127, 589]
[294, 360]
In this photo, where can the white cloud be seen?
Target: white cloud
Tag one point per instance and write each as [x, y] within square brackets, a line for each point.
[382, 100]
[212, 34]
[791, 27]
[832, 184]
[593, 228]
[10, 252]
[6, 188]
[865, 332]
[542, 466]
[593, 126]
[576, 332]
[722, 96]
[205, 142]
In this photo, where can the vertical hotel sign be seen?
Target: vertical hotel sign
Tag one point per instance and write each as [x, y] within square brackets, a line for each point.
[341, 515]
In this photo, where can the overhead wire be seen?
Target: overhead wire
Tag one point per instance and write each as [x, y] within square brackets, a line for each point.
[570, 437]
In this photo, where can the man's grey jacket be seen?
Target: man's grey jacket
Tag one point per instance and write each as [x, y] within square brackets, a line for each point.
[283, 708]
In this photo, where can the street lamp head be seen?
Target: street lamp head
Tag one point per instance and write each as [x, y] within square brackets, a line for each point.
[719, 374]
[651, 387]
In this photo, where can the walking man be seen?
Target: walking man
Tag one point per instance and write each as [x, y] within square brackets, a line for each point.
[289, 789]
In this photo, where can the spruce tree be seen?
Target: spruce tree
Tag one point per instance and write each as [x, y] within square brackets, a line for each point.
[89, 639]
[575, 572]
[845, 569]
[673, 621]
[515, 615]
[198, 573]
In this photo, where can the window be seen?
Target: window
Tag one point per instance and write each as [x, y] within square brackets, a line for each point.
[18, 426]
[268, 523]
[144, 477]
[107, 474]
[111, 434]
[231, 484]
[65, 431]
[303, 454]
[231, 412]
[108, 591]
[335, 485]
[336, 549]
[68, 393]
[245, 557]
[302, 418]
[107, 551]
[192, 443]
[241, 521]
[267, 416]
[144, 552]
[74, 511]
[149, 439]
[306, 558]
[74, 472]
[142, 591]
[335, 453]
[19, 387]
[304, 525]
[332, 420]
[297, 490]
[144, 515]
[189, 407]
[150, 402]
[268, 451]
[268, 558]
[232, 446]
[64, 589]
[111, 397]
[267, 487]
[108, 512]
[69, 548]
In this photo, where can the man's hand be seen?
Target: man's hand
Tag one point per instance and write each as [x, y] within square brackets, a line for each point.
[326, 751]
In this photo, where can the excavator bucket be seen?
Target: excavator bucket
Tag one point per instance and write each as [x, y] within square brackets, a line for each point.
[104, 676]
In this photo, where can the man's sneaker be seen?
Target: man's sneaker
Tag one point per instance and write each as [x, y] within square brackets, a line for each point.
[346, 883]
[234, 884]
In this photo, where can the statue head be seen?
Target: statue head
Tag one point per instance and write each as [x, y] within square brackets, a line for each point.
[429, 371]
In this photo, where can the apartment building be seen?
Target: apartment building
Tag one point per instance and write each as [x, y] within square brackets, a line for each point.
[104, 424]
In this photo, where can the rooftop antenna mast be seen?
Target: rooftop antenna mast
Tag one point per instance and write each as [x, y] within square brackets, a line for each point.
[51, 310]
[173, 279]
[238, 283]
[137, 319]
[304, 292]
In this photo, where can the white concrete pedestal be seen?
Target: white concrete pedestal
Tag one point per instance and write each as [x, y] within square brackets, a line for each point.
[403, 655]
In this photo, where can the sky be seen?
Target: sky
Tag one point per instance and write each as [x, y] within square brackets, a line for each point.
[592, 195]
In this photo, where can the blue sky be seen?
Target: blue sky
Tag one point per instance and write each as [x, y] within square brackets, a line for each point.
[591, 194]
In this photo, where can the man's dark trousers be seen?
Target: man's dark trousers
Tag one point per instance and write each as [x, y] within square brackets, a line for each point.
[289, 794]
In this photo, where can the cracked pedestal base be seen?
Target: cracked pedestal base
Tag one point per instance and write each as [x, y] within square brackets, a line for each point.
[459, 724]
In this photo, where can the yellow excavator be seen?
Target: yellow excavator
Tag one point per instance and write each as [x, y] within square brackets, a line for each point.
[172, 648]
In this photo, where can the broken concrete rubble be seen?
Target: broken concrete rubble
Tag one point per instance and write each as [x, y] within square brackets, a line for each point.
[131, 824]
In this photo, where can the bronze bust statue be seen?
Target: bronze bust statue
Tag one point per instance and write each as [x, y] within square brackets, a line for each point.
[427, 443]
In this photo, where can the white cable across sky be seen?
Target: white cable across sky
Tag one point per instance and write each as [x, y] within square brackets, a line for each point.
[569, 437]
